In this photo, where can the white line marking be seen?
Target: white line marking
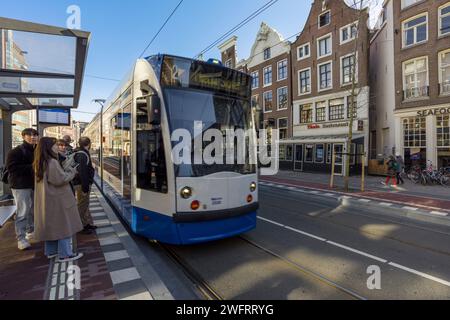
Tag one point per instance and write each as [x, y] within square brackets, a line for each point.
[105, 230]
[357, 251]
[364, 200]
[424, 275]
[52, 293]
[306, 234]
[124, 275]
[116, 255]
[102, 223]
[443, 214]
[109, 241]
[410, 208]
[385, 204]
[139, 297]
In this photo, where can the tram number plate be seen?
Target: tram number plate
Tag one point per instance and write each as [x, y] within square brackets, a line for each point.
[216, 201]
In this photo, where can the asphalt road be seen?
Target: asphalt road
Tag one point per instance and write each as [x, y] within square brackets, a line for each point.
[310, 247]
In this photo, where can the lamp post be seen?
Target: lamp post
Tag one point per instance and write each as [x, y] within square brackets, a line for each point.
[101, 102]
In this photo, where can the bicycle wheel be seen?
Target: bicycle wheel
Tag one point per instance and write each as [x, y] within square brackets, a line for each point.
[445, 181]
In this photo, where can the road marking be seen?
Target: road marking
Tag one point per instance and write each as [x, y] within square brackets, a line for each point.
[424, 275]
[364, 200]
[357, 251]
[385, 204]
[439, 213]
[109, 241]
[410, 208]
[116, 255]
[398, 266]
[139, 297]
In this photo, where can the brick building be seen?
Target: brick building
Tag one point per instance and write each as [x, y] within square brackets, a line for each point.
[323, 58]
[411, 54]
[269, 65]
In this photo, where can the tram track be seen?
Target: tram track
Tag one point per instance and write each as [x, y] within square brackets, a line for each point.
[201, 284]
[211, 293]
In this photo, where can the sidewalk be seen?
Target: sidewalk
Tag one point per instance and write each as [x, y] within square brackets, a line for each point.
[429, 197]
[107, 272]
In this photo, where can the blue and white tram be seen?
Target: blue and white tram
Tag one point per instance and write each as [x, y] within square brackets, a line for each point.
[177, 203]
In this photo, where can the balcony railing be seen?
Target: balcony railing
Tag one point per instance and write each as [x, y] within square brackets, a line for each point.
[414, 93]
[444, 89]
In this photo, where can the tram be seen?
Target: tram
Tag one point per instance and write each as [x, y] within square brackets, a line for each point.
[133, 142]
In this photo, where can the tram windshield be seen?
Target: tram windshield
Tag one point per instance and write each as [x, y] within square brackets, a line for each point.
[217, 97]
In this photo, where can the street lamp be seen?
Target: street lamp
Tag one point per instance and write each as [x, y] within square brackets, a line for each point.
[101, 102]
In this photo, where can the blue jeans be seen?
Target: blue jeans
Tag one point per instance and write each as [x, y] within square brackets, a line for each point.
[61, 247]
[24, 214]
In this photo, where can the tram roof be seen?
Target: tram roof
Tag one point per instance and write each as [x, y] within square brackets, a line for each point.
[40, 65]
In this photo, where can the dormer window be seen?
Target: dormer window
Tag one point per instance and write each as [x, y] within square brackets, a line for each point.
[324, 19]
[267, 54]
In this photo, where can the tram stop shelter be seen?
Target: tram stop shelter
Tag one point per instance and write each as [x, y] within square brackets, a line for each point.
[41, 66]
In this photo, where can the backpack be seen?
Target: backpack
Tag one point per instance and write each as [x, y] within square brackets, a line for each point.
[4, 173]
[70, 160]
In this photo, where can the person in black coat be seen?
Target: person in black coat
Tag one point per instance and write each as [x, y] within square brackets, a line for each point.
[19, 164]
[83, 182]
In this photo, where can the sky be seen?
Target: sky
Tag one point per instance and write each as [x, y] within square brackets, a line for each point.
[122, 29]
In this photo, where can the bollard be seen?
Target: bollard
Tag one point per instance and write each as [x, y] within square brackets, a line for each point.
[363, 177]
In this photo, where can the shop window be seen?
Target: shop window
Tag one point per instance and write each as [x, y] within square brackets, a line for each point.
[289, 153]
[309, 153]
[329, 153]
[321, 111]
[282, 152]
[415, 132]
[319, 154]
[443, 131]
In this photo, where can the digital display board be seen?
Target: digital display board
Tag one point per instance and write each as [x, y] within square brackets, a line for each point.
[54, 116]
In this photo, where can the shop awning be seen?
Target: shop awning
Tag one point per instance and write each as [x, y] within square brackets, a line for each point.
[40, 65]
[320, 139]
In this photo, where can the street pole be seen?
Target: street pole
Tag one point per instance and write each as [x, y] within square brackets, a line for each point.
[352, 101]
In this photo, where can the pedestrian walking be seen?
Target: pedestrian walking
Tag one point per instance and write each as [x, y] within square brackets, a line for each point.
[19, 164]
[83, 183]
[392, 172]
[400, 168]
[56, 215]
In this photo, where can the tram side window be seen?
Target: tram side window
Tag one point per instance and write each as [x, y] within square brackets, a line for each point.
[151, 161]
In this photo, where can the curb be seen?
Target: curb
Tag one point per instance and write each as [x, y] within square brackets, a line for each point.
[437, 216]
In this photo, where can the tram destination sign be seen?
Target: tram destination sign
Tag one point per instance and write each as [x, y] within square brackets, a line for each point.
[434, 112]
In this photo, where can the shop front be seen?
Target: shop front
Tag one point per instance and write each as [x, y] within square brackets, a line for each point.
[423, 136]
[315, 154]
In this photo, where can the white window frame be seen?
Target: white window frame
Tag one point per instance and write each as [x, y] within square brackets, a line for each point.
[278, 96]
[349, 29]
[440, 69]
[342, 69]
[264, 101]
[318, 19]
[300, 83]
[270, 53]
[264, 77]
[329, 35]
[415, 30]
[278, 69]
[410, 5]
[440, 16]
[302, 47]
[257, 85]
[318, 76]
[415, 59]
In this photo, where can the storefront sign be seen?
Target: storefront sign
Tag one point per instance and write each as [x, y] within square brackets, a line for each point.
[434, 112]
[336, 125]
[313, 126]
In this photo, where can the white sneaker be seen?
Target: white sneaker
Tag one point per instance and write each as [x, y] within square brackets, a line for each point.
[23, 245]
[52, 256]
[75, 257]
[30, 236]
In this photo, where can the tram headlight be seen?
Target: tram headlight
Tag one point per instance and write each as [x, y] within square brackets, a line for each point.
[253, 187]
[186, 192]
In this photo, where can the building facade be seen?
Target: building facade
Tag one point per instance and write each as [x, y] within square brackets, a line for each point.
[416, 34]
[331, 52]
[269, 65]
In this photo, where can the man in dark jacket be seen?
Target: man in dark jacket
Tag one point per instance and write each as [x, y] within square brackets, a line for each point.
[83, 183]
[19, 164]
